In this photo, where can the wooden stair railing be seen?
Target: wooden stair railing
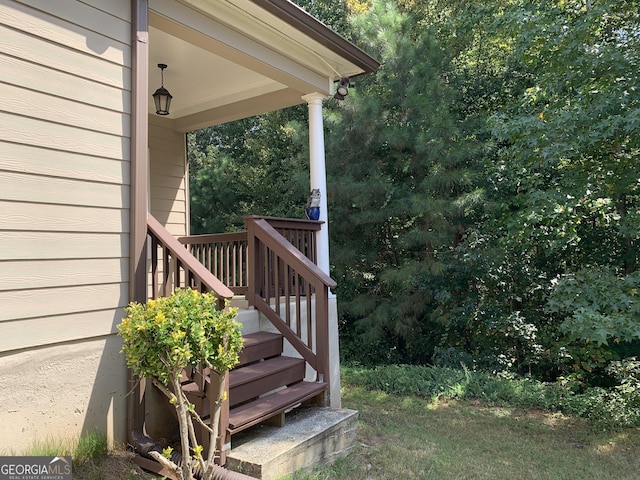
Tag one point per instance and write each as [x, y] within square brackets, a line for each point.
[226, 254]
[173, 266]
[273, 264]
[283, 281]
[179, 267]
[298, 232]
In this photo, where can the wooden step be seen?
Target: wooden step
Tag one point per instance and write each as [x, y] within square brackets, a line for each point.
[253, 380]
[258, 410]
[250, 382]
[263, 386]
[259, 345]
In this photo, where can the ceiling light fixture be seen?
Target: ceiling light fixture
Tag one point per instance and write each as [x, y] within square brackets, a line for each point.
[162, 97]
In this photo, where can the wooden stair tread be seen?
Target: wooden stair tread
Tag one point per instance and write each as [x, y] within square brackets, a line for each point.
[256, 379]
[258, 346]
[258, 337]
[192, 388]
[261, 409]
[259, 370]
[254, 372]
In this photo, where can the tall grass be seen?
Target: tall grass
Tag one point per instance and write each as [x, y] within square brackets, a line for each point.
[91, 448]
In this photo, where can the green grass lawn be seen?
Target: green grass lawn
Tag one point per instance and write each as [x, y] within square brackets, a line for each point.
[404, 437]
[411, 438]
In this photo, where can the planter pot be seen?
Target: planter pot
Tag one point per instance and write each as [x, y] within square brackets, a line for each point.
[313, 213]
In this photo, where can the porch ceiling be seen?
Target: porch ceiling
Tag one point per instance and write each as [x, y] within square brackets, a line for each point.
[198, 79]
[229, 59]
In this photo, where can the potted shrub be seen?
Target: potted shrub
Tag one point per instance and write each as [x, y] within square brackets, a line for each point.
[167, 335]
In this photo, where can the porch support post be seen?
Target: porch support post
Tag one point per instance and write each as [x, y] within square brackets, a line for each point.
[318, 173]
[139, 136]
[318, 177]
[138, 214]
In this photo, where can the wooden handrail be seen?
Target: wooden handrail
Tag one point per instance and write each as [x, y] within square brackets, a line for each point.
[273, 262]
[178, 261]
[270, 236]
[287, 223]
[181, 269]
[280, 273]
[213, 238]
[299, 232]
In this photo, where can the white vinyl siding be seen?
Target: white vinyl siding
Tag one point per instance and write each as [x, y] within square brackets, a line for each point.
[65, 115]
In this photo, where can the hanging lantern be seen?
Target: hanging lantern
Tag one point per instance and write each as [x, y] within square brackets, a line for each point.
[162, 97]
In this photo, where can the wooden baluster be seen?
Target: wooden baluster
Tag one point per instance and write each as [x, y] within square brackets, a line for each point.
[154, 267]
[310, 342]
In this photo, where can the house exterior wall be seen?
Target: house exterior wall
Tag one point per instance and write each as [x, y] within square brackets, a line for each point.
[65, 90]
[168, 176]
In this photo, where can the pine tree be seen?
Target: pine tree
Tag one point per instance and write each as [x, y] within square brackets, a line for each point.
[402, 187]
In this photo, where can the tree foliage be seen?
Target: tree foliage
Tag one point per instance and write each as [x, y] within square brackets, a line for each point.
[403, 173]
[258, 165]
[565, 182]
[255, 166]
[483, 184]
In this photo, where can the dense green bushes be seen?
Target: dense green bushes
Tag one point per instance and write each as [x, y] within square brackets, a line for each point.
[606, 409]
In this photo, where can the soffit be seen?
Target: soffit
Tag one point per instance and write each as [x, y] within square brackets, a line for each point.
[233, 58]
[288, 29]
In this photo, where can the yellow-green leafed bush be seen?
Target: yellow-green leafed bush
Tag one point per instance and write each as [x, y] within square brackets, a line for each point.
[166, 335]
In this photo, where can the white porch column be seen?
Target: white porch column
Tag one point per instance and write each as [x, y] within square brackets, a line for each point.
[318, 173]
[318, 177]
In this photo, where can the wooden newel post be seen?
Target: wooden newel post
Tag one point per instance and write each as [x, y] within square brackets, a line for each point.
[252, 266]
[322, 335]
[255, 267]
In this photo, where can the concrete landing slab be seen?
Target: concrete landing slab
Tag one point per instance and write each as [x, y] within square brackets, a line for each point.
[311, 436]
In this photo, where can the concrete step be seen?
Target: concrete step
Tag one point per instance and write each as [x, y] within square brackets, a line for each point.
[273, 404]
[239, 302]
[310, 437]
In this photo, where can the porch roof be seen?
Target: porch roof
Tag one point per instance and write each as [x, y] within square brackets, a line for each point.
[230, 59]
